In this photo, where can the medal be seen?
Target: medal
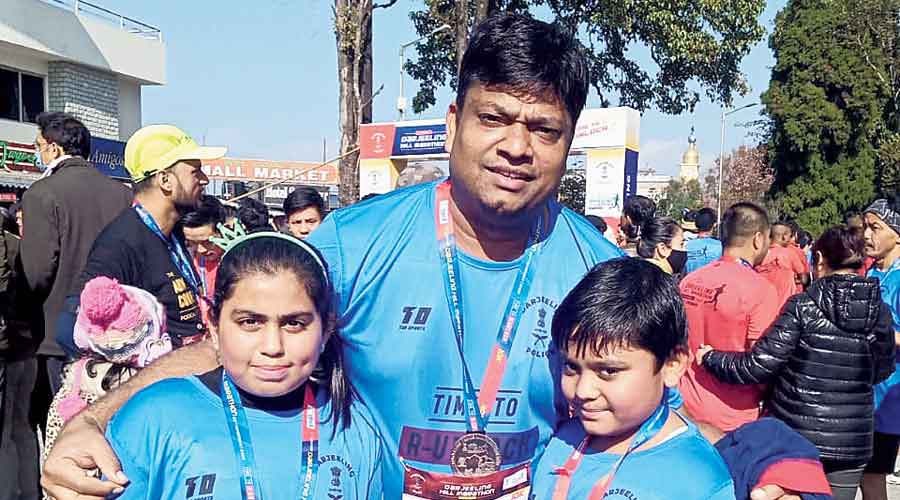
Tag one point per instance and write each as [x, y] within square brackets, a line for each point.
[475, 454]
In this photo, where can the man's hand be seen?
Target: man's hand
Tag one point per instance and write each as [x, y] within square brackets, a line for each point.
[80, 449]
[702, 351]
[772, 492]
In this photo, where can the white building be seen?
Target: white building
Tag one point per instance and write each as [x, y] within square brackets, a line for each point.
[73, 56]
[651, 185]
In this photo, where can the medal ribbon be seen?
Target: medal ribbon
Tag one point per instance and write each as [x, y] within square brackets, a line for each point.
[177, 252]
[478, 407]
[648, 430]
[243, 445]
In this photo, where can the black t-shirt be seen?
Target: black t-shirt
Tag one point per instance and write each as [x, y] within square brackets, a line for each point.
[128, 251]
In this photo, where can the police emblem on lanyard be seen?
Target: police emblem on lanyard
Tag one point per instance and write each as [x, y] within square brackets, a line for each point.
[475, 454]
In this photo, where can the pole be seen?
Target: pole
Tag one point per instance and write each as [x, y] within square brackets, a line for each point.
[721, 170]
[401, 104]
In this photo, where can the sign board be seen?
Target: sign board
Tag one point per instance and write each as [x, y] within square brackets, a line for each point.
[8, 197]
[420, 140]
[238, 169]
[412, 139]
[16, 156]
[607, 128]
[109, 157]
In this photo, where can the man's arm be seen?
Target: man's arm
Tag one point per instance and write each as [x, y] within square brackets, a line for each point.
[82, 447]
[40, 248]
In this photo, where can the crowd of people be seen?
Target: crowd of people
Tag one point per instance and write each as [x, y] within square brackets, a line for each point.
[465, 337]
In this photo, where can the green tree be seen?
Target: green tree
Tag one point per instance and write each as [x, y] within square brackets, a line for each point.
[691, 42]
[680, 196]
[827, 108]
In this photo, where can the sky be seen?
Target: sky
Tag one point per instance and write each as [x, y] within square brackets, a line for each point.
[261, 78]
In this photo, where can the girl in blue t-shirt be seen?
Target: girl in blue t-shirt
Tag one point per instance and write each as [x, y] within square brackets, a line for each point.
[275, 421]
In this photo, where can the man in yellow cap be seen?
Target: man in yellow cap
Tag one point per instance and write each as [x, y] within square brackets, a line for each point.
[142, 247]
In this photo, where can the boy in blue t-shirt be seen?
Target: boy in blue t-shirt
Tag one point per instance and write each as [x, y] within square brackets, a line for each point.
[704, 248]
[621, 337]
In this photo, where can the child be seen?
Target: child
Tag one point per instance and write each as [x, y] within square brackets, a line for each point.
[622, 341]
[120, 329]
[275, 421]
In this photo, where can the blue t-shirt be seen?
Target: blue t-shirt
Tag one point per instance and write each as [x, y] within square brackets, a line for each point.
[399, 349]
[701, 251]
[683, 466]
[167, 456]
[887, 393]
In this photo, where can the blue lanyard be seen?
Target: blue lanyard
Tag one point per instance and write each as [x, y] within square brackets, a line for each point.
[177, 252]
[478, 406]
[648, 430]
[243, 444]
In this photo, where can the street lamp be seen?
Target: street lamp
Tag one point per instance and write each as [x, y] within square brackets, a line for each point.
[722, 159]
[401, 101]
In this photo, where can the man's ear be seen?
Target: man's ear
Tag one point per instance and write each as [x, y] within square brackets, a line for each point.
[452, 117]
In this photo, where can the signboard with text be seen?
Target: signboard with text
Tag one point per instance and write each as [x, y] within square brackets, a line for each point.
[237, 169]
[420, 140]
[109, 157]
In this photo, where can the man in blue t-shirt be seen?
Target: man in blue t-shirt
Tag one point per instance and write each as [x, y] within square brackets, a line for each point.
[704, 248]
[882, 235]
[492, 243]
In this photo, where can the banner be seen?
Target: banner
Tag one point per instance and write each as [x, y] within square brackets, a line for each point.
[16, 156]
[420, 140]
[109, 157]
[238, 169]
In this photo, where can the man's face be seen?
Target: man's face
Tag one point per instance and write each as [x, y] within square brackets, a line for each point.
[508, 152]
[197, 239]
[880, 238]
[187, 185]
[302, 222]
[20, 221]
[48, 151]
[615, 393]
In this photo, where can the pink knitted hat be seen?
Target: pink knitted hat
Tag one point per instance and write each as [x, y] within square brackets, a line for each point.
[124, 324]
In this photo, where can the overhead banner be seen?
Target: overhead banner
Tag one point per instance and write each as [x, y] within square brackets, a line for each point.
[413, 139]
[109, 157]
[420, 140]
[238, 169]
[607, 128]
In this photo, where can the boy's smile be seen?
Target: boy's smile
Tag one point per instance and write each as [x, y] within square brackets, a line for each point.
[614, 393]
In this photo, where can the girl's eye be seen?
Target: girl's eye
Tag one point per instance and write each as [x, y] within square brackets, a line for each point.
[569, 367]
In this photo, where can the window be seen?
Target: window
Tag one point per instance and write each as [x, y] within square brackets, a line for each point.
[32, 97]
[21, 96]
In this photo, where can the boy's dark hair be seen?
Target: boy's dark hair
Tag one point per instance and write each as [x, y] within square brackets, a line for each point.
[522, 55]
[209, 212]
[597, 222]
[67, 132]
[253, 214]
[622, 302]
[742, 221]
[705, 219]
[301, 198]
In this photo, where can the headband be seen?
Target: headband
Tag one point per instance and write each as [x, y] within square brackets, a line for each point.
[883, 210]
[232, 238]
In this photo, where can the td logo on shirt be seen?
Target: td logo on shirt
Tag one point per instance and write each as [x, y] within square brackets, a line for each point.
[200, 487]
[414, 318]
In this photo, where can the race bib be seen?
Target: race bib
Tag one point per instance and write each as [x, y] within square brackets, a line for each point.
[511, 484]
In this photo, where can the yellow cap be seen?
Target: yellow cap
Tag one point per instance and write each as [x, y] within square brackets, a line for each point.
[155, 148]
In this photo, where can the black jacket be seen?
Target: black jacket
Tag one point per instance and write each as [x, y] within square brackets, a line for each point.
[823, 354]
[62, 215]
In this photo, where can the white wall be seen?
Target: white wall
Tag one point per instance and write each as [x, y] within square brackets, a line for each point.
[129, 108]
[17, 132]
[60, 34]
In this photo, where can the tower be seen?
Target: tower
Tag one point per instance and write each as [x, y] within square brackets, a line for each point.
[690, 161]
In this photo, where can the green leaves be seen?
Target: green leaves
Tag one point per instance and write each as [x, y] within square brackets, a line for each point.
[827, 102]
[695, 45]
